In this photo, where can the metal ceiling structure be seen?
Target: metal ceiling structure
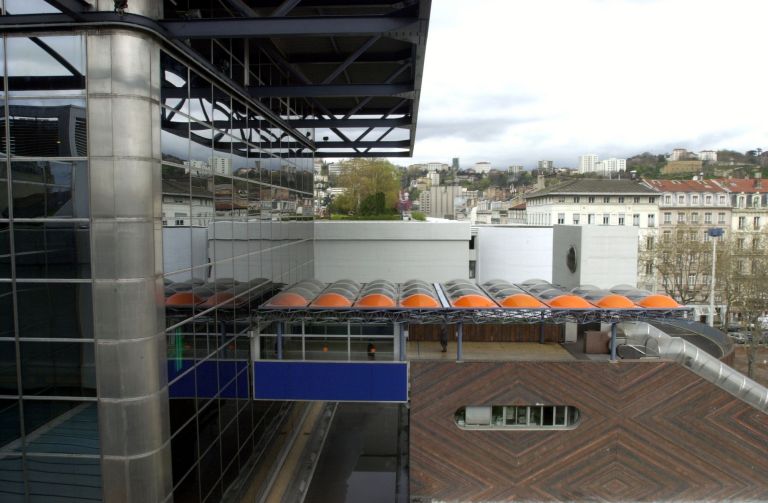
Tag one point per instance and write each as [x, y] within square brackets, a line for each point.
[356, 65]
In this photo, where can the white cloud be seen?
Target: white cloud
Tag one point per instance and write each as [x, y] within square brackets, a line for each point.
[515, 81]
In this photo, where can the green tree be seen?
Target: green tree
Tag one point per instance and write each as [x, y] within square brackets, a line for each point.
[363, 178]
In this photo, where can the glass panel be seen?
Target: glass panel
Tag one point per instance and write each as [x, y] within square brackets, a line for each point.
[12, 477]
[173, 90]
[4, 213]
[49, 189]
[48, 128]
[63, 479]
[184, 448]
[8, 381]
[187, 490]
[5, 254]
[57, 369]
[200, 98]
[46, 65]
[52, 250]
[74, 432]
[55, 310]
[29, 7]
[10, 429]
[6, 311]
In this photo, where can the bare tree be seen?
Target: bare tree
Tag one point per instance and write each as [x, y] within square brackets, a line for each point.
[683, 264]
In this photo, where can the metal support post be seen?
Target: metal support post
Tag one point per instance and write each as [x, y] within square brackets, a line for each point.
[541, 330]
[279, 341]
[402, 341]
[613, 341]
[459, 336]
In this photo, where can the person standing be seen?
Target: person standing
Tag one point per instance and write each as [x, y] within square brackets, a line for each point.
[444, 338]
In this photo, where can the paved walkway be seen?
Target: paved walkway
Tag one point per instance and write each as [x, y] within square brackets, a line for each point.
[490, 351]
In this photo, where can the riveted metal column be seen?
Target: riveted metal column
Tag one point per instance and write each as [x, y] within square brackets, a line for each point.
[127, 260]
[613, 341]
[279, 340]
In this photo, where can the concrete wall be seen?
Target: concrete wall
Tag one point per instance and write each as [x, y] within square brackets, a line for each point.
[514, 254]
[606, 255]
[397, 251]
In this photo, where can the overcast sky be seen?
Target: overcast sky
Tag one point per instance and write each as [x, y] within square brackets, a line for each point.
[513, 81]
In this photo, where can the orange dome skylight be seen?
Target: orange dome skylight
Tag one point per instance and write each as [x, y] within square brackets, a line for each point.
[330, 299]
[183, 299]
[615, 302]
[521, 300]
[473, 300]
[288, 299]
[658, 302]
[419, 300]
[567, 301]
[375, 300]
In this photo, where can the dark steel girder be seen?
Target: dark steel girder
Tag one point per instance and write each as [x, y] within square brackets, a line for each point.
[332, 90]
[328, 144]
[335, 59]
[72, 8]
[291, 27]
[400, 122]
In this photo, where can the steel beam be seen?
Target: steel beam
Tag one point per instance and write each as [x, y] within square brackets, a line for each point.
[351, 123]
[331, 91]
[72, 8]
[288, 27]
[351, 59]
[335, 59]
[284, 8]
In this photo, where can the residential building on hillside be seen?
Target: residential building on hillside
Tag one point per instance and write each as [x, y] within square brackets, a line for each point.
[440, 201]
[612, 165]
[677, 167]
[482, 167]
[594, 202]
[708, 156]
[678, 154]
[546, 166]
[587, 163]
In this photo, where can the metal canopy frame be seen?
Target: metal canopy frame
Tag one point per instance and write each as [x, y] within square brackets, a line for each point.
[468, 316]
[357, 64]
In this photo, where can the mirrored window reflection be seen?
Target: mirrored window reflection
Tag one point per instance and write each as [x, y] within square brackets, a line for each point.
[29, 7]
[5, 251]
[11, 473]
[8, 381]
[4, 213]
[201, 95]
[10, 430]
[60, 478]
[6, 310]
[52, 250]
[75, 431]
[55, 310]
[46, 64]
[57, 369]
[49, 189]
[173, 87]
[48, 128]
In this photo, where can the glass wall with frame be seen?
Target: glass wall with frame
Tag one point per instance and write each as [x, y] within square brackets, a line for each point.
[49, 439]
[237, 224]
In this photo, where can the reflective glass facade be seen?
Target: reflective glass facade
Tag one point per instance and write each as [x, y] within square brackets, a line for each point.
[220, 214]
[49, 440]
[237, 219]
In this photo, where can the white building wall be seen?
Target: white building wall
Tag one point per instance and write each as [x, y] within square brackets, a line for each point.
[514, 254]
[587, 163]
[605, 256]
[396, 251]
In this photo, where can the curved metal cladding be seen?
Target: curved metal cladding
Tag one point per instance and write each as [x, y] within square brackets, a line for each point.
[464, 293]
[511, 296]
[658, 343]
[416, 293]
[378, 294]
[339, 294]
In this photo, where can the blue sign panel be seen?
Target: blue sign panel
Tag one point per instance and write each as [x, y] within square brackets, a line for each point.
[330, 381]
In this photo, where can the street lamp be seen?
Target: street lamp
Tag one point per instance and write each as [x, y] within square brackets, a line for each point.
[714, 233]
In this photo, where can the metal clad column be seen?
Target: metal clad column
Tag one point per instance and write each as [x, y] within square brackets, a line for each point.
[459, 337]
[613, 341]
[127, 260]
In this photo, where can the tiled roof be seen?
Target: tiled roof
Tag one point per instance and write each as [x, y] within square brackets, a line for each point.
[684, 185]
[595, 186]
[748, 185]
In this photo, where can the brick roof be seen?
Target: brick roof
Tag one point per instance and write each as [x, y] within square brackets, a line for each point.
[747, 185]
[684, 185]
